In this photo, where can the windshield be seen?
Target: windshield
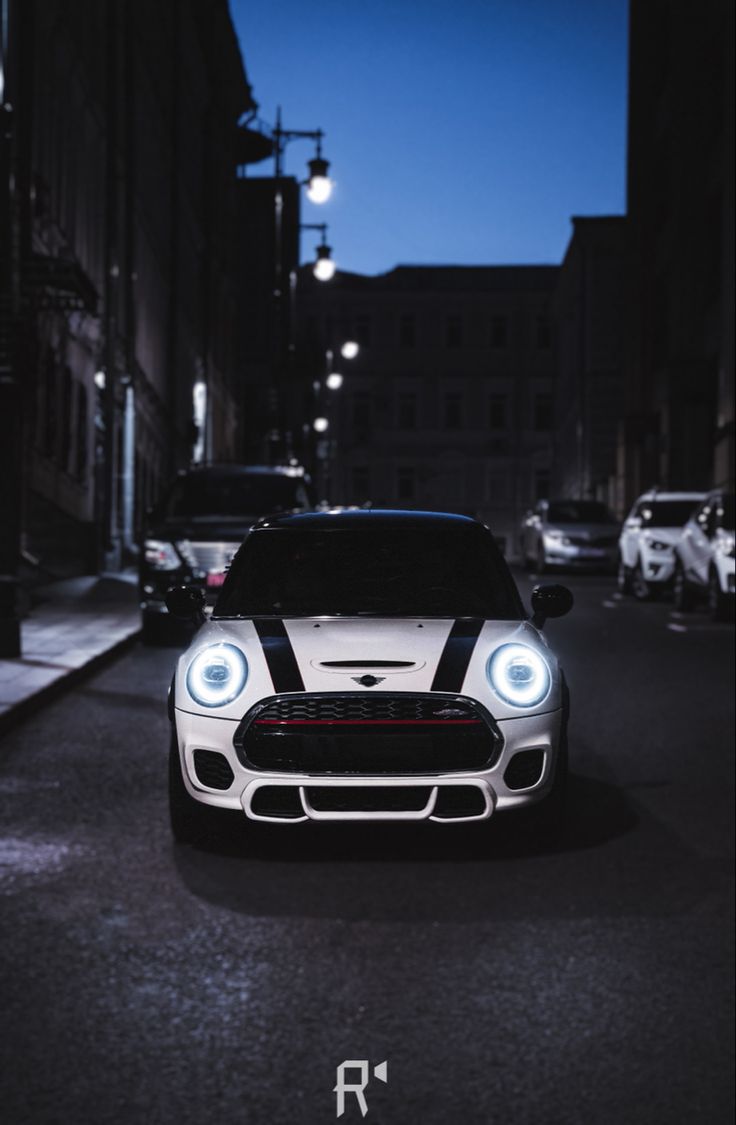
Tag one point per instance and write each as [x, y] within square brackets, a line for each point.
[579, 511]
[666, 513]
[234, 494]
[383, 572]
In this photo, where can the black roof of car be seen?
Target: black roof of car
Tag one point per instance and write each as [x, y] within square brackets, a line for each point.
[365, 518]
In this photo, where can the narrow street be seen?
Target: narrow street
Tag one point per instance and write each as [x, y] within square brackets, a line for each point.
[148, 983]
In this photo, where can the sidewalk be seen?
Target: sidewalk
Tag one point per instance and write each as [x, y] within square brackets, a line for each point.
[72, 626]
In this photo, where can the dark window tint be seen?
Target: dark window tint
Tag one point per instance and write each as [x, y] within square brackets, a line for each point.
[220, 494]
[665, 513]
[579, 511]
[385, 572]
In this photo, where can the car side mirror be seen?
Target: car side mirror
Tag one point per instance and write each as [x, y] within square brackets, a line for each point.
[187, 603]
[550, 601]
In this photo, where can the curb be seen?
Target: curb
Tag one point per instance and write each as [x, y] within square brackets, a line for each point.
[23, 710]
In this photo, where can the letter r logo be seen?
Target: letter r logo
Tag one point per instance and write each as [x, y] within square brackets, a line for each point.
[342, 1088]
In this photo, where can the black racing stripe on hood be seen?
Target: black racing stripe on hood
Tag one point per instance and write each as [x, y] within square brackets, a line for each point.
[279, 655]
[456, 655]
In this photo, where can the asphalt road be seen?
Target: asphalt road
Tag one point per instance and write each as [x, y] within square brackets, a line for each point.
[148, 983]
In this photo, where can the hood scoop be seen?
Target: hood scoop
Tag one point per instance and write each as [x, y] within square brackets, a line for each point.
[351, 666]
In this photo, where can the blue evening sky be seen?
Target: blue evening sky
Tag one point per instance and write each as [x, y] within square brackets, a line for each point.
[465, 132]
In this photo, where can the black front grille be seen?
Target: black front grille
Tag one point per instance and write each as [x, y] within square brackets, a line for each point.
[373, 733]
[524, 769]
[213, 769]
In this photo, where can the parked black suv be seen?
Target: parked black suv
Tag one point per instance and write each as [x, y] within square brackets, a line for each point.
[194, 531]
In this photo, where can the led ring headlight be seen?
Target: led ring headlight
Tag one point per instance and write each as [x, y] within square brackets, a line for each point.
[519, 675]
[217, 675]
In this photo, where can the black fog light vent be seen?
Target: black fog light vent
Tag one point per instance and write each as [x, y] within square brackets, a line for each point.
[278, 801]
[525, 769]
[458, 801]
[213, 769]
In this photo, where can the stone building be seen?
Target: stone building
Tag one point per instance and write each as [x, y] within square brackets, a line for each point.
[588, 315]
[450, 401]
[125, 154]
[677, 430]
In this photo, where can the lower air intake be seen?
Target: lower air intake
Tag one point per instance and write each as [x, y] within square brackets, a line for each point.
[525, 769]
[213, 769]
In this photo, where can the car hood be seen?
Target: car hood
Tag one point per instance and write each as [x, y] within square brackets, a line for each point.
[663, 534]
[337, 654]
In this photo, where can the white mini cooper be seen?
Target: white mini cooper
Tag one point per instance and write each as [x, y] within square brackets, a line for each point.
[367, 666]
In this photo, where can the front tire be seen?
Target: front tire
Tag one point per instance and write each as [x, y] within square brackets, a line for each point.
[683, 594]
[642, 590]
[624, 577]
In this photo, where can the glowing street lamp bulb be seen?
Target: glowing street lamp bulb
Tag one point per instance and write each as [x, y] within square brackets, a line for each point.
[324, 269]
[350, 349]
[319, 189]
[334, 380]
[320, 425]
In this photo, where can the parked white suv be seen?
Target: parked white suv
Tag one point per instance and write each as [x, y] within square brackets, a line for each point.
[650, 531]
[704, 556]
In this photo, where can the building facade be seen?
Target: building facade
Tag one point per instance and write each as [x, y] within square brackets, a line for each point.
[588, 312]
[124, 160]
[449, 404]
[677, 429]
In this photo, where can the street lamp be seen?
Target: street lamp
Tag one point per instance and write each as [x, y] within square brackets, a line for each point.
[319, 185]
[324, 267]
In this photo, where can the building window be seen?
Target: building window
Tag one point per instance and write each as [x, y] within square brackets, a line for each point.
[497, 414]
[541, 484]
[50, 411]
[543, 337]
[363, 330]
[454, 332]
[499, 333]
[361, 410]
[405, 483]
[406, 413]
[498, 492]
[360, 484]
[80, 458]
[453, 411]
[407, 331]
[542, 412]
[66, 418]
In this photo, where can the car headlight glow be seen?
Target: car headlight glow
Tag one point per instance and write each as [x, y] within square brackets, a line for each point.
[217, 675]
[519, 675]
[161, 555]
[725, 545]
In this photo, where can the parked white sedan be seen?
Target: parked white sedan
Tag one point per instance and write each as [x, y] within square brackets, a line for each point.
[704, 556]
[646, 545]
[367, 666]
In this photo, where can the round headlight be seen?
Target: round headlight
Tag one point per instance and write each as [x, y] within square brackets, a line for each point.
[217, 675]
[519, 675]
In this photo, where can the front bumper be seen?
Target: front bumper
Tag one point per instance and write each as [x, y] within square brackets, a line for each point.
[561, 554]
[277, 796]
